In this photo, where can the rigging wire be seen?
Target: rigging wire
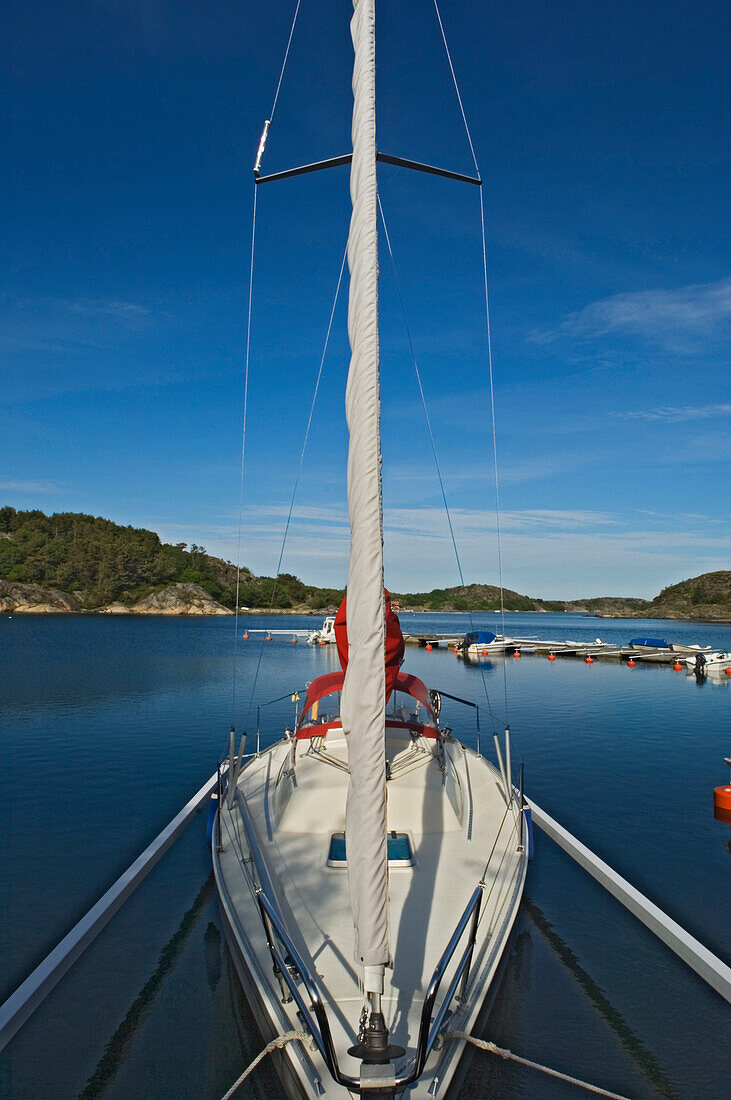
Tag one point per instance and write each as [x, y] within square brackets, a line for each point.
[247, 358]
[297, 477]
[284, 62]
[431, 433]
[489, 344]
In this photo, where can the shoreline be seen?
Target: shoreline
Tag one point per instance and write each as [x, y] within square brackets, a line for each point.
[309, 613]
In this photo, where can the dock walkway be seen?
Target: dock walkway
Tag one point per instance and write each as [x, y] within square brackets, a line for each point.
[597, 649]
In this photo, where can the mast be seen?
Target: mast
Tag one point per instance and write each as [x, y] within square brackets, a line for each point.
[363, 705]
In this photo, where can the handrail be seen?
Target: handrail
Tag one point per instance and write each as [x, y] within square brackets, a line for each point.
[265, 882]
[427, 1032]
[467, 703]
[292, 964]
[290, 968]
[457, 699]
[272, 920]
[319, 1030]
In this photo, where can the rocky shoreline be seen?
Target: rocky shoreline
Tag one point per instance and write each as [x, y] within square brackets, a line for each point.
[191, 599]
[176, 599]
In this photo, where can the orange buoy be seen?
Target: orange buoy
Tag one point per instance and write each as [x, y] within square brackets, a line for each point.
[590, 660]
[552, 656]
[677, 667]
[631, 663]
[517, 653]
[294, 639]
[484, 652]
[322, 641]
[722, 798]
[428, 647]
[728, 671]
[245, 635]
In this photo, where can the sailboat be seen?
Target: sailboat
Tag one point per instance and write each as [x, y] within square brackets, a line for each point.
[369, 865]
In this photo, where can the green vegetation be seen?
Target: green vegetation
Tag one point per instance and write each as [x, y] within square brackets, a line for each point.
[707, 596]
[98, 561]
[471, 597]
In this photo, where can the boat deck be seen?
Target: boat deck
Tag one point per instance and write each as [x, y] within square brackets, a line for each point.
[453, 820]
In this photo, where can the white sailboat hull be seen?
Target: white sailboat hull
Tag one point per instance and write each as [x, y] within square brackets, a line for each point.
[454, 820]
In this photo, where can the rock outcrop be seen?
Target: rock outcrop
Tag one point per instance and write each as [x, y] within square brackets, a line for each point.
[27, 599]
[179, 599]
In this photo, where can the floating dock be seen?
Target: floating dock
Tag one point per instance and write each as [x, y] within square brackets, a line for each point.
[597, 650]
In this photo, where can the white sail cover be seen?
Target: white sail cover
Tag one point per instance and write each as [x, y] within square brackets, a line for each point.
[363, 706]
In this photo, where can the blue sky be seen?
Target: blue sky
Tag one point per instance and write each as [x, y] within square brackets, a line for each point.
[602, 136]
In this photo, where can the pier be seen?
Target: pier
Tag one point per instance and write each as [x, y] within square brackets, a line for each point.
[539, 647]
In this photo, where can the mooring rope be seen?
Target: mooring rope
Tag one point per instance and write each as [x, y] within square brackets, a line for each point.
[448, 1036]
[502, 1052]
[276, 1044]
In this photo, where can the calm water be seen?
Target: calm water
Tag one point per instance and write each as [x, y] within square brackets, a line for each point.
[107, 726]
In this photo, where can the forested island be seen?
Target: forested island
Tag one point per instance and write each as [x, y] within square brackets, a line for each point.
[71, 562]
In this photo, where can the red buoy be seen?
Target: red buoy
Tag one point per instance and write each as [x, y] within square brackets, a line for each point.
[484, 653]
[677, 667]
[552, 656]
[590, 660]
[728, 671]
[517, 653]
[322, 641]
[294, 639]
[722, 798]
[246, 635]
[631, 663]
[428, 647]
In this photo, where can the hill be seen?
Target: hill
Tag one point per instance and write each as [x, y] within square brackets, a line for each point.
[705, 597]
[472, 597]
[71, 561]
[97, 563]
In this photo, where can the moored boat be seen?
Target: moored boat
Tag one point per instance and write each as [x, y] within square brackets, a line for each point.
[325, 635]
[457, 850]
[369, 864]
[648, 643]
[713, 661]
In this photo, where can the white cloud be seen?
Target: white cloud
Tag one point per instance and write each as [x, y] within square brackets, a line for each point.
[686, 319]
[669, 414]
[10, 486]
[559, 554]
[110, 308]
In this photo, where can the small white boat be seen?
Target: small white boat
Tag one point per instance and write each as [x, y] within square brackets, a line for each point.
[325, 635]
[678, 647]
[482, 642]
[713, 661]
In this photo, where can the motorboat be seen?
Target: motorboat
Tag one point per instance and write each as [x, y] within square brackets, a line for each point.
[325, 635]
[715, 661]
[481, 642]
